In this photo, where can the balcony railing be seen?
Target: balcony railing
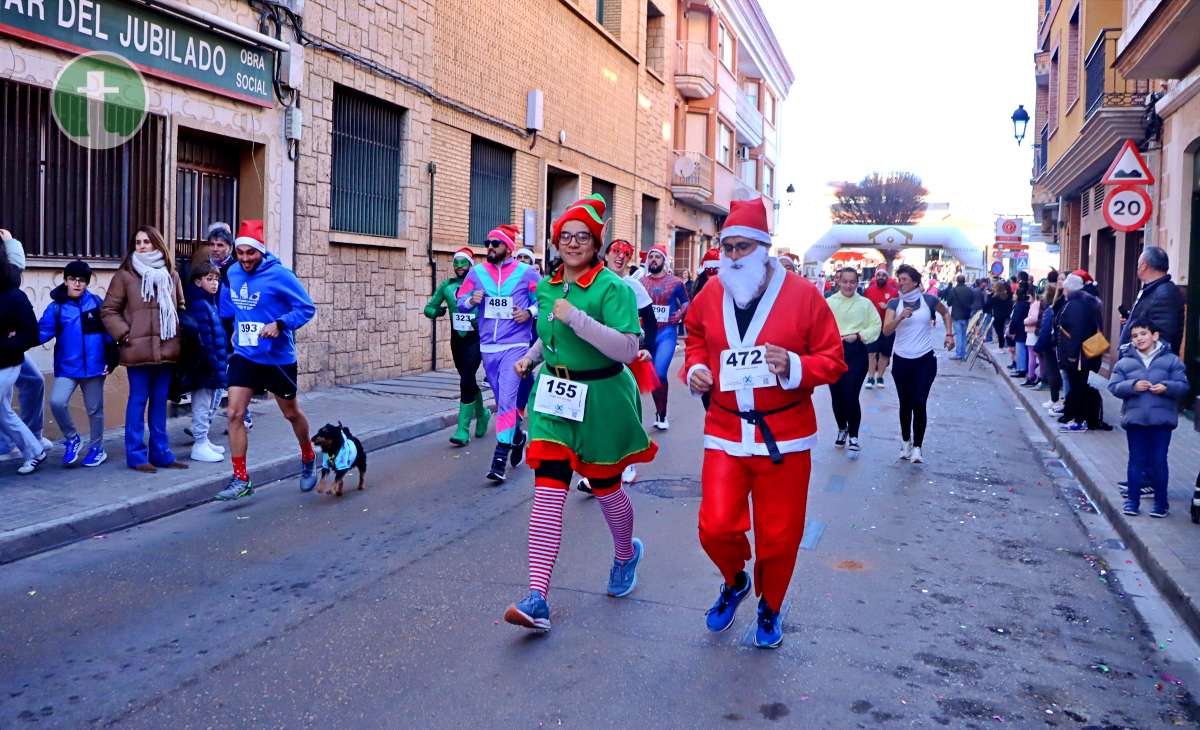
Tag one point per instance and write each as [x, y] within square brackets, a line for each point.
[1039, 154]
[1105, 87]
[695, 70]
[749, 120]
[692, 176]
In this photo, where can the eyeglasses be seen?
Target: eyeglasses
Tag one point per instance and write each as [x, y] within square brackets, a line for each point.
[494, 244]
[740, 247]
[74, 280]
[583, 238]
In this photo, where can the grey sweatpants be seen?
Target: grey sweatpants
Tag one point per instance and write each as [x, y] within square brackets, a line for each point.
[93, 401]
[205, 404]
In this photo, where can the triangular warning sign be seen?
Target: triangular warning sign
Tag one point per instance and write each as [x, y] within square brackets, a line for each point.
[1129, 168]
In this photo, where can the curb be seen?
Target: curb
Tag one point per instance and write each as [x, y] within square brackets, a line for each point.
[43, 536]
[1151, 562]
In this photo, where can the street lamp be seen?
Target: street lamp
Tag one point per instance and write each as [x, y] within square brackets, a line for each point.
[1020, 120]
[791, 193]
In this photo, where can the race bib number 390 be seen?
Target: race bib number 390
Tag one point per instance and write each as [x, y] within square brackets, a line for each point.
[662, 313]
[744, 368]
[498, 307]
[247, 333]
[562, 398]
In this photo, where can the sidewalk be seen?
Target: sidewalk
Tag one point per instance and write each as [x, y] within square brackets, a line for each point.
[55, 506]
[1098, 460]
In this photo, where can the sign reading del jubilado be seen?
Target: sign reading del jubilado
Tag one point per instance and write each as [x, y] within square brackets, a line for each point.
[158, 43]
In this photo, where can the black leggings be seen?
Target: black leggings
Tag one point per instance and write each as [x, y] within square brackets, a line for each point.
[913, 377]
[1001, 326]
[465, 349]
[1049, 366]
[560, 471]
[844, 393]
[1080, 403]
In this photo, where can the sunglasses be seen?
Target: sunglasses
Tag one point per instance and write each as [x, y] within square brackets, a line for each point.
[740, 247]
[494, 244]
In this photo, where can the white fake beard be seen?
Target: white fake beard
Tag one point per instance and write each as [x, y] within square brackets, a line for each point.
[745, 278]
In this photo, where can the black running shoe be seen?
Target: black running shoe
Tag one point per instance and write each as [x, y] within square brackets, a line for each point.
[498, 468]
[517, 455]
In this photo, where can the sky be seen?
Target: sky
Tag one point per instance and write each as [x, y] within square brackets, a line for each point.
[926, 86]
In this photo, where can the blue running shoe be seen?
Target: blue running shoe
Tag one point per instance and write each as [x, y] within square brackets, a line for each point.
[623, 576]
[308, 475]
[96, 456]
[769, 634]
[532, 612]
[720, 616]
[71, 450]
[237, 489]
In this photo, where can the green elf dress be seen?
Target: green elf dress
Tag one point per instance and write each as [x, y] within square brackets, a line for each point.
[464, 344]
[610, 437]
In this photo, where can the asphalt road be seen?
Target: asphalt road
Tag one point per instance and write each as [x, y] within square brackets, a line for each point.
[959, 593]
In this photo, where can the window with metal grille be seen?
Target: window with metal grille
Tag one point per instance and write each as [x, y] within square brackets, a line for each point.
[1098, 196]
[368, 137]
[649, 221]
[62, 200]
[491, 187]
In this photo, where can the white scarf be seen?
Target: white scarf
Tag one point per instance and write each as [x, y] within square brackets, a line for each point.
[912, 296]
[158, 284]
[745, 278]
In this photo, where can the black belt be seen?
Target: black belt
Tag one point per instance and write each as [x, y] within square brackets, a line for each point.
[560, 371]
[759, 419]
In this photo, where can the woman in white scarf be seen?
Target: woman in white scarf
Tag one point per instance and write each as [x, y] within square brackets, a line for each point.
[141, 312]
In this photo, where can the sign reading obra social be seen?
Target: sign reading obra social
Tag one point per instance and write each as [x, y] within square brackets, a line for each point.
[157, 43]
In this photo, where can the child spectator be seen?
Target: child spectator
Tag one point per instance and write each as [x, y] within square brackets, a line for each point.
[209, 369]
[1150, 379]
[82, 349]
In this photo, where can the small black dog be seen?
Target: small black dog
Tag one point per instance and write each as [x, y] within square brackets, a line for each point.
[332, 440]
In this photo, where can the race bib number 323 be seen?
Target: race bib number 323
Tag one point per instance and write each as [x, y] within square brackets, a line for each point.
[463, 321]
[745, 367]
[562, 398]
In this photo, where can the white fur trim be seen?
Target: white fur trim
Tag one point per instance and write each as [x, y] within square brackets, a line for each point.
[754, 234]
[253, 243]
[693, 369]
[741, 448]
[796, 372]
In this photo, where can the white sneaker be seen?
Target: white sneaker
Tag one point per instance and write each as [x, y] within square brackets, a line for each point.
[203, 451]
[11, 455]
[629, 476]
[916, 457]
[662, 424]
[870, 384]
[1049, 404]
[1056, 409]
[31, 465]
[47, 444]
[906, 450]
[852, 446]
[216, 448]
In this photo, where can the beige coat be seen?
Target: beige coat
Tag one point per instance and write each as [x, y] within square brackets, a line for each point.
[135, 324]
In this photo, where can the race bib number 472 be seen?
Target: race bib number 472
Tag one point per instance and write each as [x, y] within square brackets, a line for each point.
[746, 367]
[560, 397]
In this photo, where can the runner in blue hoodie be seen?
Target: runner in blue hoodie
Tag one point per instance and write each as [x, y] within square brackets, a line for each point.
[268, 305]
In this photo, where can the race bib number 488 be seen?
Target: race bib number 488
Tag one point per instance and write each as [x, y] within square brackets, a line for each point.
[745, 367]
[498, 307]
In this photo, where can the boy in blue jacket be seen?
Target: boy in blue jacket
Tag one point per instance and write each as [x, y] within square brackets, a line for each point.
[81, 342]
[1151, 380]
[210, 369]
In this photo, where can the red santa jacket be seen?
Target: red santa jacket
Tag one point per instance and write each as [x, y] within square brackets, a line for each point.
[792, 314]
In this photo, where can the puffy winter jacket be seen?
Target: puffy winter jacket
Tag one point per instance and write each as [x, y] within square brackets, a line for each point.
[80, 339]
[18, 326]
[1146, 408]
[1078, 320]
[214, 345]
[1034, 318]
[1160, 302]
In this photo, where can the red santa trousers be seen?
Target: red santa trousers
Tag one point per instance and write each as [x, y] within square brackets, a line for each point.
[779, 493]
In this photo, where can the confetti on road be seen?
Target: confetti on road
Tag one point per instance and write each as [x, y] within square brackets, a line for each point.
[33, 593]
[245, 551]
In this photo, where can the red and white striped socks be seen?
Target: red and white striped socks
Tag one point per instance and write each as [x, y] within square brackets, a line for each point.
[545, 531]
[618, 513]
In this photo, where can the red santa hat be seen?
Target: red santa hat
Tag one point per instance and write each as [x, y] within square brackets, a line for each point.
[506, 233]
[464, 253]
[589, 211]
[250, 233]
[711, 259]
[748, 219]
[659, 249]
[1083, 274]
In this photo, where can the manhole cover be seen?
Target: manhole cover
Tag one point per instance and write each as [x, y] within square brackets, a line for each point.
[669, 488]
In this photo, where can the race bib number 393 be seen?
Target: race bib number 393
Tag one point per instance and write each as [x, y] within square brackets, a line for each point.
[498, 307]
[744, 368]
[562, 398]
[247, 333]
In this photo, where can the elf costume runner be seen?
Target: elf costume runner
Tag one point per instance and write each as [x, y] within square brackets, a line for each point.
[585, 412]
[758, 342]
[464, 347]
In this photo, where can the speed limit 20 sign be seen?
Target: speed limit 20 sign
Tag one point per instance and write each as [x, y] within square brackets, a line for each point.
[1127, 207]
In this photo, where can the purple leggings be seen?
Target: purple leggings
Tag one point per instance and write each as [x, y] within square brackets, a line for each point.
[506, 385]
